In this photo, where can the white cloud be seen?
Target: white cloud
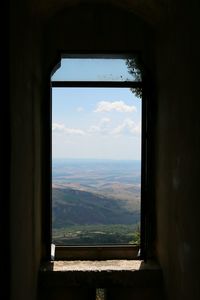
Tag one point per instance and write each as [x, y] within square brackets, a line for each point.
[120, 106]
[74, 131]
[101, 127]
[128, 126]
[80, 109]
[94, 129]
[104, 121]
[56, 127]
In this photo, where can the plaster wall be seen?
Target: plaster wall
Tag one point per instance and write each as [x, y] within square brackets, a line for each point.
[34, 49]
[25, 153]
[96, 28]
[177, 150]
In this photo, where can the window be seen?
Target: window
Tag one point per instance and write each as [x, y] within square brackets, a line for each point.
[97, 157]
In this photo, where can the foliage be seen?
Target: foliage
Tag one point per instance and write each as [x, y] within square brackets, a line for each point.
[136, 236]
[135, 69]
[97, 234]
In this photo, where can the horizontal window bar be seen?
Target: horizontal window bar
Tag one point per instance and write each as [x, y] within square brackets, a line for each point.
[109, 84]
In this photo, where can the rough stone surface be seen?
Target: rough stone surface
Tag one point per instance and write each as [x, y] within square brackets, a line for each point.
[107, 265]
[110, 273]
[96, 265]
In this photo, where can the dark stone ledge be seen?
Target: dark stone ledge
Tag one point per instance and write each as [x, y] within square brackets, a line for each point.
[121, 273]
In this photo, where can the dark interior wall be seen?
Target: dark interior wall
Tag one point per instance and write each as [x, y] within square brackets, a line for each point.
[98, 28]
[178, 143]
[177, 140]
[25, 167]
[34, 46]
[4, 157]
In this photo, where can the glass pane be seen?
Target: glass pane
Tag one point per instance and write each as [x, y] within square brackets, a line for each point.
[96, 166]
[97, 69]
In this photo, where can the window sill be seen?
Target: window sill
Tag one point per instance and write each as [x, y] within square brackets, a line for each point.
[100, 274]
[95, 253]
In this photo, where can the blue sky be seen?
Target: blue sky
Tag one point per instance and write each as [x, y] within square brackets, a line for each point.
[97, 123]
[93, 69]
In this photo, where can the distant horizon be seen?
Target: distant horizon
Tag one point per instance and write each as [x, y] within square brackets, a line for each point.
[120, 159]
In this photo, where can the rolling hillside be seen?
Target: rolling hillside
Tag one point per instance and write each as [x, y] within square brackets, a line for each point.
[75, 207]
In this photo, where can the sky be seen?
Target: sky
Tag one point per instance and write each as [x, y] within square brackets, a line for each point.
[95, 123]
[93, 69]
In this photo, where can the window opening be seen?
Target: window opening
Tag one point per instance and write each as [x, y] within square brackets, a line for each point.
[96, 152]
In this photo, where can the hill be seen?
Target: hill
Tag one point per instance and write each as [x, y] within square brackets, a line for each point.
[76, 207]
